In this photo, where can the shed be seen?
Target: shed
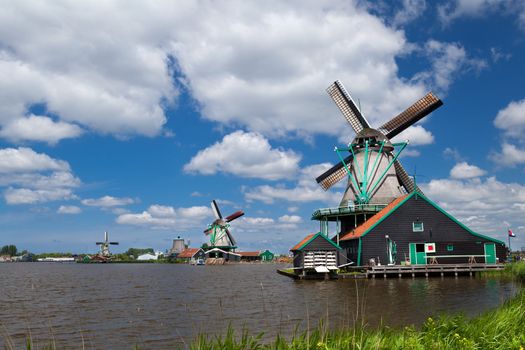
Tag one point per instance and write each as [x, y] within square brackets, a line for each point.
[250, 256]
[316, 253]
[191, 255]
[217, 253]
[412, 229]
[267, 255]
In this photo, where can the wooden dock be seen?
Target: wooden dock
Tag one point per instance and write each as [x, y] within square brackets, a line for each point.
[430, 270]
[400, 271]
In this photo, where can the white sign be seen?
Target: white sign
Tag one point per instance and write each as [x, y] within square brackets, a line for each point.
[430, 247]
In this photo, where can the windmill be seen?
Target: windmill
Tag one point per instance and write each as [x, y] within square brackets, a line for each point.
[104, 246]
[220, 235]
[375, 175]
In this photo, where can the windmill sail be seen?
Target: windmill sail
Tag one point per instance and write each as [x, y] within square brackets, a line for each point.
[347, 106]
[334, 174]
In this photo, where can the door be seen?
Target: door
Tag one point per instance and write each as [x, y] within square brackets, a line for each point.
[490, 253]
[417, 254]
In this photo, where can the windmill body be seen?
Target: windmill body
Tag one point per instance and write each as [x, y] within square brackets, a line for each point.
[370, 163]
[219, 232]
[104, 246]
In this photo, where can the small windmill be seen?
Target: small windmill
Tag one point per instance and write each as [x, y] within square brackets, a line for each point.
[375, 175]
[104, 246]
[220, 235]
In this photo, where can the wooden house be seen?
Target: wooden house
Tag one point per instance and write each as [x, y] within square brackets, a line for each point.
[414, 230]
[267, 255]
[316, 253]
[192, 255]
[250, 256]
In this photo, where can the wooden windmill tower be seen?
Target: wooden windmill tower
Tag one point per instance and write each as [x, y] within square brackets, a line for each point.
[370, 162]
[104, 246]
[218, 230]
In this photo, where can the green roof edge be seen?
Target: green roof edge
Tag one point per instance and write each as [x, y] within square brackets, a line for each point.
[314, 237]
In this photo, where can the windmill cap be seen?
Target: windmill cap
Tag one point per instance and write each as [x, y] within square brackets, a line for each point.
[371, 135]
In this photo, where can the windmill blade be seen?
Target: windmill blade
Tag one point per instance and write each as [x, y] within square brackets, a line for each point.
[230, 237]
[411, 115]
[334, 174]
[234, 216]
[347, 106]
[404, 179]
[215, 209]
[99, 243]
[208, 231]
[114, 243]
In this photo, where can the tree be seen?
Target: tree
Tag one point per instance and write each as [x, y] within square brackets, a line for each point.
[8, 250]
[135, 252]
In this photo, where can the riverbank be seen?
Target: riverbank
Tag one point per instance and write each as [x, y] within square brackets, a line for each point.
[497, 329]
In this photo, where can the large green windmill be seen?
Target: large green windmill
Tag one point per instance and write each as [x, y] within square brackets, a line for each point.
[218, 230]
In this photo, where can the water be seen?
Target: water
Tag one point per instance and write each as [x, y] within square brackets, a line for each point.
[115, 306]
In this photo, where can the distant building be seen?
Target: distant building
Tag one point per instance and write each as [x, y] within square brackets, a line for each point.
[250, 256]
[149, 256]
[5, 258]
[192, 255]
[217, 253]
[267, 255]
[177, 247]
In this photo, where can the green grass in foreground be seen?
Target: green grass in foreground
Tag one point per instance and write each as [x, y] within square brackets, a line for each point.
[503, 328]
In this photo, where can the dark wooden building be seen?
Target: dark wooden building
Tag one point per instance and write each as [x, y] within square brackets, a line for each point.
[414, 230]
[192, 255]
[250, 256]
[316, 253]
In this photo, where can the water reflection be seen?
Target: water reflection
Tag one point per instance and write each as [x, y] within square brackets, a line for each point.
[113, 306]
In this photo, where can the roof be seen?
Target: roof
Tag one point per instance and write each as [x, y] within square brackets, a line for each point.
[249, 253]
[364, 228]
[368, 224]
[311, 237]
[222, 251]
[302, 242]
[188, 252]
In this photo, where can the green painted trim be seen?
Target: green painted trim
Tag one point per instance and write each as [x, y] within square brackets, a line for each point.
[403, 145]
[314, 237]
[457, 222]
[359, 251]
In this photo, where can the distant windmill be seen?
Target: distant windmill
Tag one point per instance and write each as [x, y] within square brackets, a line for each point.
[375, 175]
[220, 235]
[104, 246]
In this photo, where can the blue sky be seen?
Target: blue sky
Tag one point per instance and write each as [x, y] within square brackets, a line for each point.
[132, 117]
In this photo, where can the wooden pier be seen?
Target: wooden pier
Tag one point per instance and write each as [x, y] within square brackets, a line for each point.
[400, 271]
[430, 270]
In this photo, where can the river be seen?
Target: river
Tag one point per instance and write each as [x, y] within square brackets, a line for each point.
[115, 306]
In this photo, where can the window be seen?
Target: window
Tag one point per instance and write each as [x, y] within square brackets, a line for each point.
[450, 247]
[417, 227]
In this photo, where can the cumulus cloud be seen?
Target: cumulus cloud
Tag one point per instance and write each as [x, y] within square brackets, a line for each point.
[38, 128]
[448, 60]
[511, 119]
[245, 154]
[454, 10]
[107, 201]
[464, 170]
[509, 156]
[290, 219]
[305, 190]
[416, 135]
[411, 10]
[167, 217]
[483, 205]
[32, 177]
[69, 209]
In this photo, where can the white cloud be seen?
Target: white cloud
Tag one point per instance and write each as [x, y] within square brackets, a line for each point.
[410, 11]
[290, 219]
[306, 189]
[483, 205]
[107, 201]
[464, 170]
[69, 209]
[245, 154]
[33, 177]
[448, 60]
[416, 135]
[454, 10]
[167, 217]
[511, 119]
[509, 156]
[22, 159]
[38, 128]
